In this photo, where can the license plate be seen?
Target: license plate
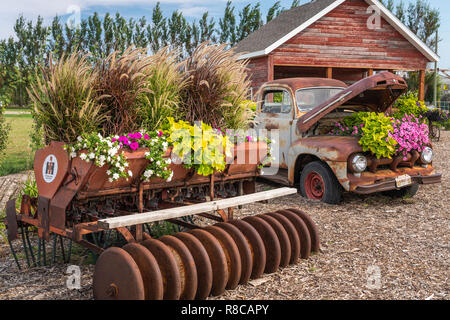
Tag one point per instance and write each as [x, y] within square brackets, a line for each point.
[403, 181]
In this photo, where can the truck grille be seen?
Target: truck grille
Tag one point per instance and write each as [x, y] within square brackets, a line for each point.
[374, 164]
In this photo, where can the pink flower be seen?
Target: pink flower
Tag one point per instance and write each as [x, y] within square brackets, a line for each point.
[134, 146]
[146, 137]
[137, 135]
[160, 133]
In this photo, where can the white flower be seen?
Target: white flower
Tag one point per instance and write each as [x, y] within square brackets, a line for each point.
[102, 158]
[148, 173]
[110, 180]
[130, 173]
[121, 169]
[79, 139]
[126, 164]
[165, 144]
[118, 164]
[108, 172]
[83, 156]
[91, 155]
[151, 159]
[115, 176]
[158, 163]
[168, 161]
[85, 145]
[73, 154]
[170, 177]
[147, 154]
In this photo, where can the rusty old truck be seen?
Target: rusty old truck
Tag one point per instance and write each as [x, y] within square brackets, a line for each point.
[304, 110]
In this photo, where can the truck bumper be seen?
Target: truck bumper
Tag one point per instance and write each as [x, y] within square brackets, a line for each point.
[391, 185]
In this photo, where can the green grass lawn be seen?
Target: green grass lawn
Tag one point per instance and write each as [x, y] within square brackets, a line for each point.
[18, 156]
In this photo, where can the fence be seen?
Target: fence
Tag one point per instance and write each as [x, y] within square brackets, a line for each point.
[444, 105]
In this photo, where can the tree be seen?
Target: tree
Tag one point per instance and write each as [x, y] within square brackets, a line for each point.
[227, 24]
[250, 20]
[274, 11]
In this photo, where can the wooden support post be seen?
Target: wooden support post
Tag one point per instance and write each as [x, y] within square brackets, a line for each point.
[270, 68]
[329, 73]
[422, 85]
[370, 72]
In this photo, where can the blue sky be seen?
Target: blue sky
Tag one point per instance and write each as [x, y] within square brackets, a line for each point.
[193, 9]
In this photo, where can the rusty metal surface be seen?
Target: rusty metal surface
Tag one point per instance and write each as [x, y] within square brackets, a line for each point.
[44, 218]
[256, 246]
[312, 228]
[244, 250]
[271, 242]
[117, 277]
[11, 219]
[294, 239]
[58, 169]
[302, 231]
[231, 250]
[218, 260]
[377, 93]
[149, 269]
[283, 237]
[186, 264]
[202, 264]
[301, 83]
[168, 266]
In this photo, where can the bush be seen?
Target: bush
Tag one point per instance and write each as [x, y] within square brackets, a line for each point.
[409, 104]
[4, 132]
[410, 134]
[216, 86]
[163, 81]
[64, 101]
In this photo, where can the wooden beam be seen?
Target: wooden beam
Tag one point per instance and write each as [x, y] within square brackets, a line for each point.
[270, 68]
[172, 213]
[422, 85]
[370, 72]
[329, 73]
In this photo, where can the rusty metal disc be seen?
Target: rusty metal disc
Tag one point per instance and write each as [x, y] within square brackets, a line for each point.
[150, 272]
[283, 237]
[271, 243]
[302, 230]
[256, 246]
[294, 239]
[186, 265]
[168, 266]
[218, 260]
[232, 254]
[202, 264]
[117, 277]
[244, 250]
[312, 228]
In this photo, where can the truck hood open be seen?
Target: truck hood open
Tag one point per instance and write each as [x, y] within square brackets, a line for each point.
[377, 93]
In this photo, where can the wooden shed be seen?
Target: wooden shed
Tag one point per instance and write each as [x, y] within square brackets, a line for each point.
[341, 39]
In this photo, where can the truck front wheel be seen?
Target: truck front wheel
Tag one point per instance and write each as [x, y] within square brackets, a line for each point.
[317, 182]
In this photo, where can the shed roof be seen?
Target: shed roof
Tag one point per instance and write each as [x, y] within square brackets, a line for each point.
[291, 22]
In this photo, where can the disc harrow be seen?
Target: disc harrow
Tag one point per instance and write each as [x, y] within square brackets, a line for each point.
[205, 261]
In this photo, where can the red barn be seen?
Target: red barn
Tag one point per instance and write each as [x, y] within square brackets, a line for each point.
[341, 39]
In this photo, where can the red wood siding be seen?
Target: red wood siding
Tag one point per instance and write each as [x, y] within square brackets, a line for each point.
[258, 71]
[342, 38]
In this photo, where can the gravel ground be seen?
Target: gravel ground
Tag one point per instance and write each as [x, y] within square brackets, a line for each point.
[373, 247]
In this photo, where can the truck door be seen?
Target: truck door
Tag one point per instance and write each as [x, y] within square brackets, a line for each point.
[277, 113]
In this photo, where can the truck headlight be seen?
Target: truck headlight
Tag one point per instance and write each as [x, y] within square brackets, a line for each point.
[427, 155]
[358, 163]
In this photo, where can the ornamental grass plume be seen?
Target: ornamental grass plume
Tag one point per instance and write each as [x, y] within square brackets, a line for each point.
[164, 83]
[216, 87]
[120, 80]
[64, 101]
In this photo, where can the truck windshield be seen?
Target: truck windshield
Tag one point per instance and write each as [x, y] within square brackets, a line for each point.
[309, 98]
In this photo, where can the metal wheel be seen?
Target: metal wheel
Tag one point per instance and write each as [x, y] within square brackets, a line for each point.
[117, 277]
[302, 230]
[312, 228]
[283, 237]
[271, 242]
[150, 272]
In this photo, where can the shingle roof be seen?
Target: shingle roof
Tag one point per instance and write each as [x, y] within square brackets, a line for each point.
[291, 22]
[286, 22]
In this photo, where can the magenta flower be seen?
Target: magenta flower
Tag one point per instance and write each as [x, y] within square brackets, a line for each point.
[160, 133]
[137, 135]
[146, 137]
[134, 146]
